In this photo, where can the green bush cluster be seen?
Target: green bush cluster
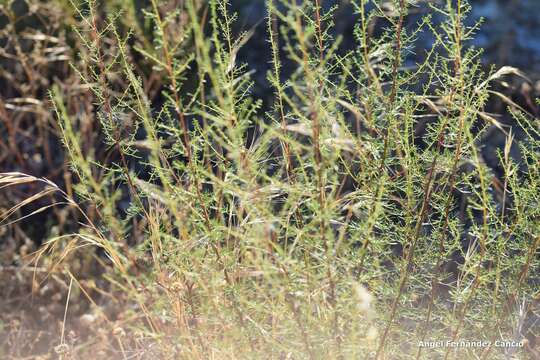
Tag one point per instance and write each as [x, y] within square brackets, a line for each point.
[354, 218]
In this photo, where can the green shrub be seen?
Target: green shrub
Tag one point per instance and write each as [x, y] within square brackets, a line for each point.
[326, 226]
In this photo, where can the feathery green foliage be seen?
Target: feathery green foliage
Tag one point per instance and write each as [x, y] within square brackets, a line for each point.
[323, 226]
